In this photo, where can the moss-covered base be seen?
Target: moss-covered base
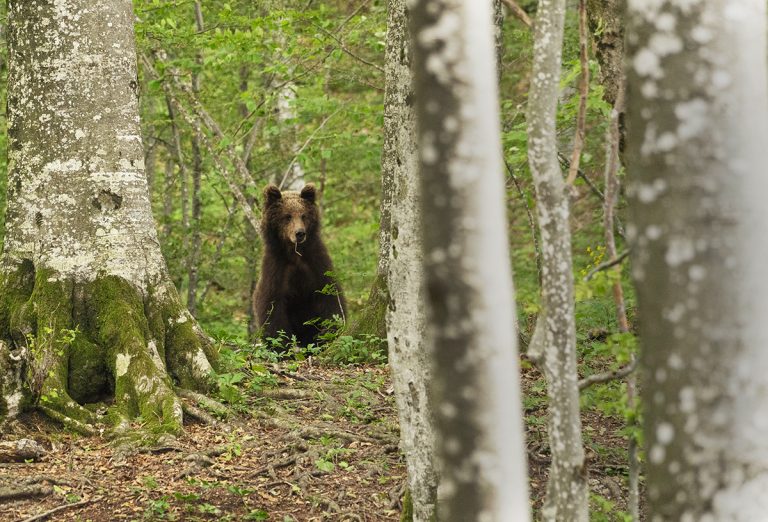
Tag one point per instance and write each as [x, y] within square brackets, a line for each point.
[86, 342]
[372, 319]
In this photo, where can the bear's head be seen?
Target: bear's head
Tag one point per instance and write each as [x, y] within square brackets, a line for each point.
[292, 218]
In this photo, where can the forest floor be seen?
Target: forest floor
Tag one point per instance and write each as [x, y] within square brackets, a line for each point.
[321, 445]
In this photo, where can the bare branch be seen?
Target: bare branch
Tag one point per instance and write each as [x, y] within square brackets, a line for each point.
[519, 13]
[581, 117]
[304, 146]
[606, 265]
[531, 221]
[221, 167]
[602, 378]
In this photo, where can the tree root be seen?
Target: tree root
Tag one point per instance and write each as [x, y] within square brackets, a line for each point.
[8, 493]
[86, 340]
[69, 422]
[205, 402]
[284, 393]
[21, 450]
[46, 514]
[321, 430]
[198, 413]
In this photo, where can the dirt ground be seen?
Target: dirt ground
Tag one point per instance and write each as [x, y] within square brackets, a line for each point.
[322, 445]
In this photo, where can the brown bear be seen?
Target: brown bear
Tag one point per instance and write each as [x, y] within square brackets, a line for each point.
[294, 269]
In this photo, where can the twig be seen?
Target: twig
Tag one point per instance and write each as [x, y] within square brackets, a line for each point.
[350, 53]
[565, 162]
[519, 13]
[43, 516]
[600, 378]
[304, 146]
[531, 221]
[223, 170]
[606, 265]
[581, 117]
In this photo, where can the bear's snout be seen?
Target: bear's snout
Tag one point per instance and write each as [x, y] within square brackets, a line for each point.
[301, 236]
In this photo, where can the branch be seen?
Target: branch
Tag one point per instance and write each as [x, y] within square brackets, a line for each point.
[344, 48]
[531, 221]
[565, 162]
[205, 118]
[304, 146]
[606, 265]
[223, 170]
[581, 117]
[519, 13]
[601, 378]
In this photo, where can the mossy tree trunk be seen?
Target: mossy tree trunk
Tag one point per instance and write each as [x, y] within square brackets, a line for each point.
[87, 310]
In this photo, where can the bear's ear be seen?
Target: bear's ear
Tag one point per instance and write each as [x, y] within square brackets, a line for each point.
[272, 194]
[309, 192]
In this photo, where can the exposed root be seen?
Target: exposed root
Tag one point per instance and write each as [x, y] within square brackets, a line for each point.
[25, 492]
[206, 402]
[198, 413]
[69, 422]
[284, 393]
[290, 375]
[396, 495]
[87, 340]
[21, 450]
[46, 514]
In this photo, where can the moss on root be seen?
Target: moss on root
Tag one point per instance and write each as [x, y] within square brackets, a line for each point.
[104, 337]
[15, 288]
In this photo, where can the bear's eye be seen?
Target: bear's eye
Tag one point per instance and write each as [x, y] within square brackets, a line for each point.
[303, 216]
[286, 218]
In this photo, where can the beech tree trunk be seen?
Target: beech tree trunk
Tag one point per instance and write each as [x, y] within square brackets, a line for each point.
[471, 336]
[553, 345]
[698, 146]
[87, 309]
[408, 356]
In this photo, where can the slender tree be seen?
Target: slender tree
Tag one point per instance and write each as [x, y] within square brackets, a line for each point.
[698, 145]
[408, 357]
[193, 256]
[553, 345]
[469, 287]
[86, 298]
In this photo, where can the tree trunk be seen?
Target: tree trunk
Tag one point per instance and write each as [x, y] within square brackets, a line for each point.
[698, 113]
[86, 297]
[553, 345]
[469, 286]
[606, 23]
[193, 263]
[408, 357]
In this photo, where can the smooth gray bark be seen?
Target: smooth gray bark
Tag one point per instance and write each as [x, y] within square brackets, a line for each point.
[406, 322]
[469, 286]
[553, 345]
[698, 141]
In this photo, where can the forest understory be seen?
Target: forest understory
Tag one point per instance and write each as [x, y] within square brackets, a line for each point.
[320, 444]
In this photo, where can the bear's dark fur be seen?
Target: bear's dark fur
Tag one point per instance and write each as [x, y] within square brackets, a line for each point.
[294, 267]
